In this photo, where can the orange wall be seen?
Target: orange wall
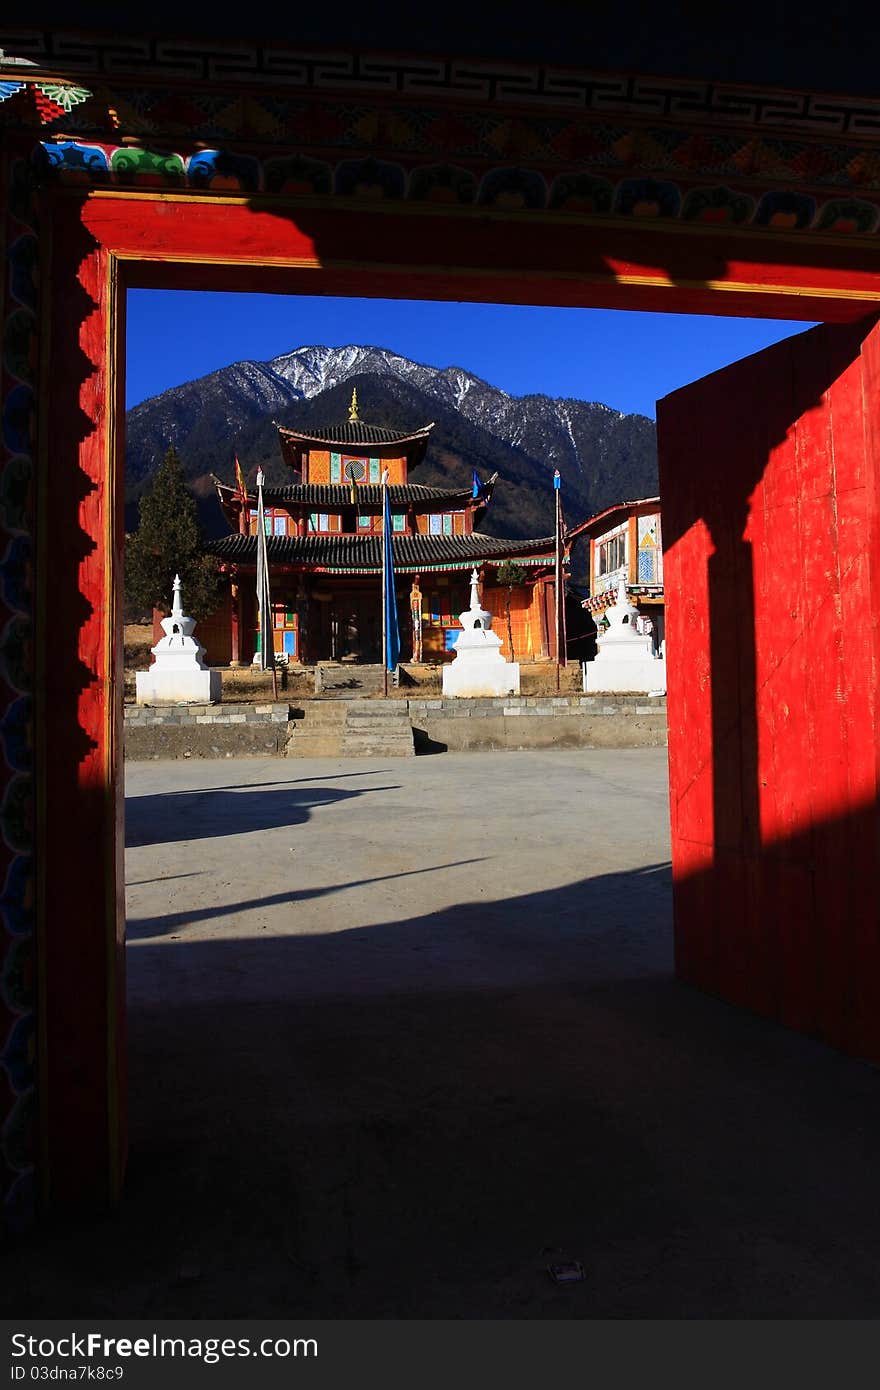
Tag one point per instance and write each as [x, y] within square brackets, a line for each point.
[215, 633]
[316, 466]
[525, 619]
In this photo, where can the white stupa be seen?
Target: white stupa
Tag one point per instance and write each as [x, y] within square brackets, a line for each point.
[624, 662]
[478, 667]
[178, 674]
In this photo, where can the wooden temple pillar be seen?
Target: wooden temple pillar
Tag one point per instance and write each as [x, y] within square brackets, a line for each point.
[235, 625]
[542, 587]
[415, 612]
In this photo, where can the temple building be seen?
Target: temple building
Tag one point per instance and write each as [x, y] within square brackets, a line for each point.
[324, 546]
[626, 544]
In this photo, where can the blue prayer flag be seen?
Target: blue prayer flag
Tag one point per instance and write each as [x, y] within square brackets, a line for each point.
[392, 633]
[264, 600]
[477, 485]
[557, 479]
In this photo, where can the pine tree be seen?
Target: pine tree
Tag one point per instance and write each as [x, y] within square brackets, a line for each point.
[168, 542]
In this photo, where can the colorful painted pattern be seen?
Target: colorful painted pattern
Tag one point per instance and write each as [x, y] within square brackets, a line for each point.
[18, 298]
[721, 157]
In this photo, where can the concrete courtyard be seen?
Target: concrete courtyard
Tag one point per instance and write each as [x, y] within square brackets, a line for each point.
[403, 1033]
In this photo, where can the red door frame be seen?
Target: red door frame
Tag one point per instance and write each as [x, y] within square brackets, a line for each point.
[773, 719]
[108, 241]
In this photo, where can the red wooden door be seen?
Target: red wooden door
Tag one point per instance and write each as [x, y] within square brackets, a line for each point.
[769, 474]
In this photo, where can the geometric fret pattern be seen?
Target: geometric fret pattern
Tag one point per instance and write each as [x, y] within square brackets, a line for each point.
[527, 140]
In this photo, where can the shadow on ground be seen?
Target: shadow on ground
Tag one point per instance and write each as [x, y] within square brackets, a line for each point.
[412, 1120]
[197, 815]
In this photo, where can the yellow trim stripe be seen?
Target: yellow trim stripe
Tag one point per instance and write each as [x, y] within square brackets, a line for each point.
[402, 207]
[664, 282]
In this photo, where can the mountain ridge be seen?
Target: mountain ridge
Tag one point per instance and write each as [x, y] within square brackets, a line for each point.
[603, 454]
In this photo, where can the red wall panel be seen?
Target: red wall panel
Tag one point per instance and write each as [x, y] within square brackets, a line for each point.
[768, 478]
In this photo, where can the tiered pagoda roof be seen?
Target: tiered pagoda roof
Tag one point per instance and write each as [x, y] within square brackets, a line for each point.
[370, 494]
[354, 434]
[363, 554]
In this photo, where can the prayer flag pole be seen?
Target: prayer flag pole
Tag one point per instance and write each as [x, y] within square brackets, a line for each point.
[384, 584]
[264, 601]
[390, 632]
[557, 483]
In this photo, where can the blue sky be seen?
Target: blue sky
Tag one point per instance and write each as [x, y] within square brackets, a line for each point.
[625, 360]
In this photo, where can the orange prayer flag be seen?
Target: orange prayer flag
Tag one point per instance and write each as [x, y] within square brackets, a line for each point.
[239, 480]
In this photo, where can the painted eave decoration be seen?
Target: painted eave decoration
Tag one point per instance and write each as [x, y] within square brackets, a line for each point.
[266, 120]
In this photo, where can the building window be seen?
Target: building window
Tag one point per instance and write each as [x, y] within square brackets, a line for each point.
[375, 471]
[365, 523]
[612, 554]
[435, 524]
[336, 468]
[324, 521]
[447, 523]
[280, 525]
[398, 521]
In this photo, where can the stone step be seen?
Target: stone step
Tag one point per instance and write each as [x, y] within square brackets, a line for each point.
[365, 724]
[373, 731]
[324, 716]
[352, 728]
[378, 748]
[314, 746]
[377, 709]
[338, 681]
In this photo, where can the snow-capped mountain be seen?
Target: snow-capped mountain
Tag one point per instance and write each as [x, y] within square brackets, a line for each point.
[603, 455]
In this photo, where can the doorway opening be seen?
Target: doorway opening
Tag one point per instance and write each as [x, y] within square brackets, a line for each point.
[95, 770]
[371, 982]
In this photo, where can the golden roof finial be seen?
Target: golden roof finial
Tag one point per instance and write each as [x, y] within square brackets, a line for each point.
[353, 408]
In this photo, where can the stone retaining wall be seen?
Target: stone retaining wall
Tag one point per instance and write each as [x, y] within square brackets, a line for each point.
[206, 731]
[144, 716]
[540, 721]
[561, 721]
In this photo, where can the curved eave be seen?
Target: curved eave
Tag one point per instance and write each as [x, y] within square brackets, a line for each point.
[363, 554]
[371, 495]
[294, 443]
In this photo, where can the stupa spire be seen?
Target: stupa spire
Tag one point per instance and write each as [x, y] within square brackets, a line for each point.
[353, 408]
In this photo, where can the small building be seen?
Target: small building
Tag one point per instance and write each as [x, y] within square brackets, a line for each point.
[626, 544]
[324, 531]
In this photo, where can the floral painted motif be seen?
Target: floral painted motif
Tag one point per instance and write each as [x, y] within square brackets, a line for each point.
[63, 95]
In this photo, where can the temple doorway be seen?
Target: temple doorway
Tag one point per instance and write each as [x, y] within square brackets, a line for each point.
[83, 743]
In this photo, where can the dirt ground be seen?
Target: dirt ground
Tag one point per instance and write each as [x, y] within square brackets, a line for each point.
[403, 1033]
[247, 684]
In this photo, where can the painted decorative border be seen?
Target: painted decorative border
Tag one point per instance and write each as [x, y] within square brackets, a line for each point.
[271, 144]
[509, 189]
[464, 80]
